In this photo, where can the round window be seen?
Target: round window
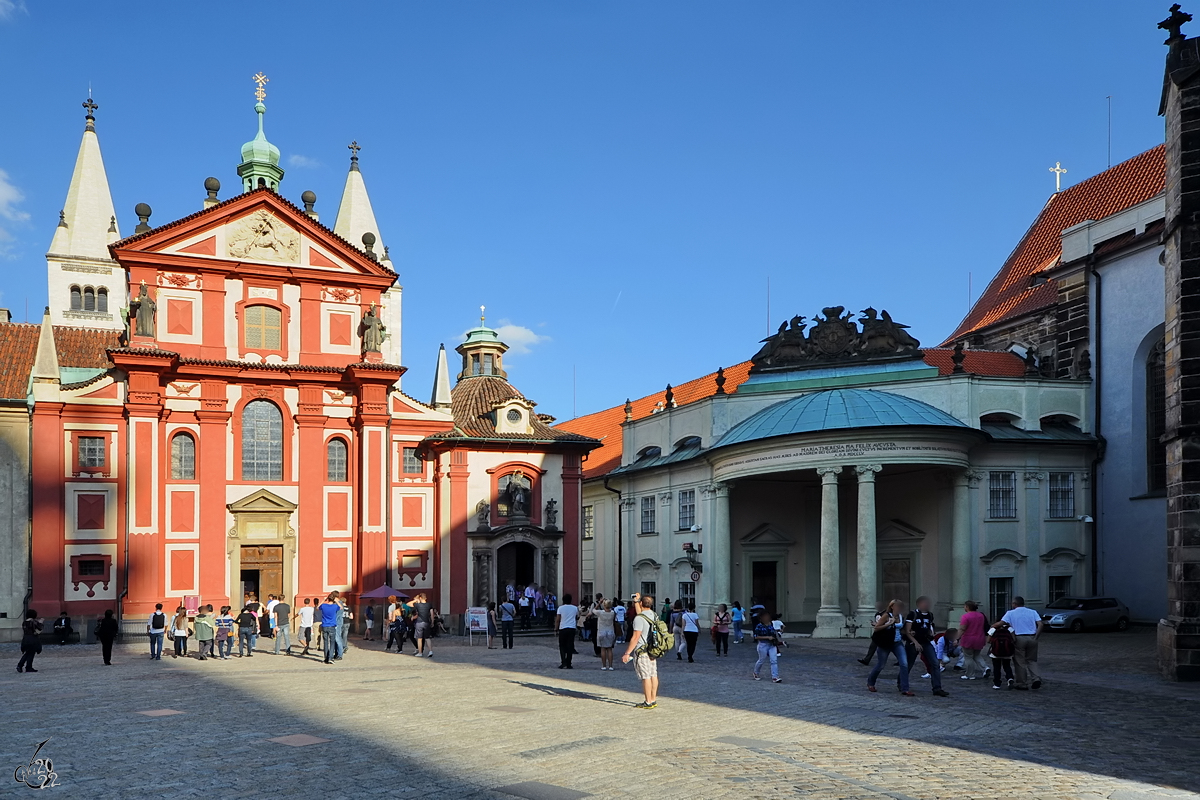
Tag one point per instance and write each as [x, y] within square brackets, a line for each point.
[514, 415]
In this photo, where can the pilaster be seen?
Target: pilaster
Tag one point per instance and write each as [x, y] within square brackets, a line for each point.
[831, 622]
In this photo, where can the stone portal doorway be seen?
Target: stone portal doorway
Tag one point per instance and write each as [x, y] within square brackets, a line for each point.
[262, 570]
[764, 584]
[516, 562]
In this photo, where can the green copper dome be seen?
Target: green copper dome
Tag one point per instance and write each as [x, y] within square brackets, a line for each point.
[260, 159]
[482, 334]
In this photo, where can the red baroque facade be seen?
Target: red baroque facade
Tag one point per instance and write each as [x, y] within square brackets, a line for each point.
[243, 439]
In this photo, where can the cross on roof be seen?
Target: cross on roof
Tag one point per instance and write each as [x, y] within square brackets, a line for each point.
[90, 106]
[353, 148]
[1173, 23]
[261, 80]
[1058, 171]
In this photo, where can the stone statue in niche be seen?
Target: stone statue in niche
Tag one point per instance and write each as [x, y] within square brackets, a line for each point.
[483, 512]
[263, 237]
[372, 331]
[551, 520]
[144, 311]
[516, 493]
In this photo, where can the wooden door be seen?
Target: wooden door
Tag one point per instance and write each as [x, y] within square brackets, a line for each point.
[268, 560]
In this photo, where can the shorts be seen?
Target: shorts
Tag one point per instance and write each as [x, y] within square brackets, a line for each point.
[645, 667]
[421, 630]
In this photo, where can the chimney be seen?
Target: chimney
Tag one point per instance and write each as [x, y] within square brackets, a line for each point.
[1179, 632]
[5, 315]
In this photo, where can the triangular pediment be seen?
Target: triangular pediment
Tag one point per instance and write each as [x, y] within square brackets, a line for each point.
[897, 530]
[262, 500]
[767, 534]
[259, 227]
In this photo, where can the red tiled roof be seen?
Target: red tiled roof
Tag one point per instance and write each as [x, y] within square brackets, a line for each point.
[993, 363]
[1010, 294]
[77, 347]
[606, 425]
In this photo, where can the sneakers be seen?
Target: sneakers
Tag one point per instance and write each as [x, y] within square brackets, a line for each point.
[646, 705]
[940, 693]
[776, 680]
[994, 686]
[966, 678]
[755, 676]
[1011, 683]
[926, 675]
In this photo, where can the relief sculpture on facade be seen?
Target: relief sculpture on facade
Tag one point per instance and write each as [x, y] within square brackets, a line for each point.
[836, 337]
[263, 237]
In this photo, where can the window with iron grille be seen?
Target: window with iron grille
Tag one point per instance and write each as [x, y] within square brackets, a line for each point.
[412, 464]
[1062, 495]
[183, 457]
[999, 597]
[589, 522]
[91, 452]
[262, 441]
[337, 459]
[687, 593]
[91, 567]
[1002, 495]
[650, 588]
[1156, 418]
[263, 329]
[1060, 587]
[585, 593]
[687, 509]
[648, 510]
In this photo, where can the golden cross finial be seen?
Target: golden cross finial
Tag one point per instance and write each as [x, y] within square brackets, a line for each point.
[481, 316]
[1058, 171]
[262, 81]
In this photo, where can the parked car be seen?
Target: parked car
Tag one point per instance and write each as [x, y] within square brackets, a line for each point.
[1086, 613]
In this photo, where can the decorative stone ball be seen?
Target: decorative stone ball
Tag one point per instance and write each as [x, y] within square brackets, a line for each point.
[309, 197]
[368, 239]
[212, 185]
[142, 210]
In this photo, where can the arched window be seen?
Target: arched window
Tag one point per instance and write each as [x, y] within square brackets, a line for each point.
[102, 300]
[89, 299]
[336, 461]
[262, 441]
[183, 457]
[76, 298]
[1156, 418]
[263, 329]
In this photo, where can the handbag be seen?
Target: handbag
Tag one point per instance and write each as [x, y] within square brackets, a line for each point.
[884, 637]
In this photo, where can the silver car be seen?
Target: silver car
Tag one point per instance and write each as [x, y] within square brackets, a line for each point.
[1086, 613]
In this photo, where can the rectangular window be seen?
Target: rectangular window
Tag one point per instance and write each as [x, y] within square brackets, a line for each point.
[487, 364]
[412, 464]
[999, 597]
[91, 567]
[687, 509]
[589, 522]
[1062, 495]
[585, 592]
[648, 514]
[1060, 587]
[650, 588]
[687, 593]
[1002, 495]
[263, 329]
[91, 452]
[1156, 419]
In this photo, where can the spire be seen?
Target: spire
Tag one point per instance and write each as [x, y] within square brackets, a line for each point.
[260, 158]
[45, 366]
[83, 224]
[355, 217]
[441, 383]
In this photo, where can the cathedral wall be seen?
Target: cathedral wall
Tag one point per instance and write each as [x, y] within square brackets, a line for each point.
[14, 517]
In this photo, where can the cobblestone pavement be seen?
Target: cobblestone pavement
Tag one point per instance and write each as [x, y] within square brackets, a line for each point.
[478, 723]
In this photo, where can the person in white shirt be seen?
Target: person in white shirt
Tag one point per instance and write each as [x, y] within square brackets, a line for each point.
[565, 624]
[306, 624]
[619, 611]
[1026, 625]
[156, 627]
[690, 621]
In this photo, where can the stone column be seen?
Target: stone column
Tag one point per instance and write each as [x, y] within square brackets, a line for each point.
[866, 546]
[960, 545]
[718, 561]
[831, 622]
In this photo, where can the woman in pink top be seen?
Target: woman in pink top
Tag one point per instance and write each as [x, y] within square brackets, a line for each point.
[972, 637]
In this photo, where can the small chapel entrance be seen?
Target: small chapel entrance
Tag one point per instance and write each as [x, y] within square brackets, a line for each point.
[516, 562]
[262, 570]
[262, 547]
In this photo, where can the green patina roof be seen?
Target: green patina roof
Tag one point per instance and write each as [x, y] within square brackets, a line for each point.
[837, 409]
[481, 334]
[259, 149]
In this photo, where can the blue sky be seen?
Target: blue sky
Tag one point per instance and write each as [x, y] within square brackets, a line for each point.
[616, 181]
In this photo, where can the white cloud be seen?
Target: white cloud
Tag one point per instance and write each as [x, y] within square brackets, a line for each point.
[520, 340]
[9, 9]
[297, 161]
[10, 198]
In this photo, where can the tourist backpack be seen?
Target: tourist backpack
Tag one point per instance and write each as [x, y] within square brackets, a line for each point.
[159, 620]
[659, 639]
[1004, 644]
